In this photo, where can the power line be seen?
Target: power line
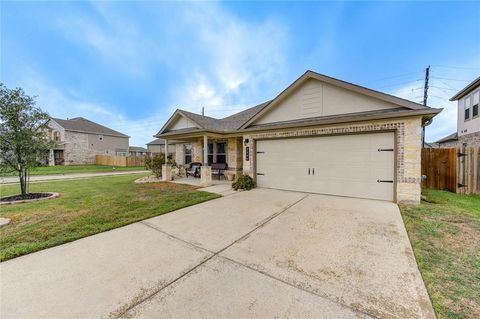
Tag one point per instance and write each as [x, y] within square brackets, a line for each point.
[438, 87]
[456, 67]
[459, 80]
[395, 76]
[448, 85]
[390, 85]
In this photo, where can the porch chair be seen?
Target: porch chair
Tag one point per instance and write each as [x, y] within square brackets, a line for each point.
[193, 169]
[218, 169]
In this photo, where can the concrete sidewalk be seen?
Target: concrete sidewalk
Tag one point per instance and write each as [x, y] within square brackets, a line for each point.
[55, 177]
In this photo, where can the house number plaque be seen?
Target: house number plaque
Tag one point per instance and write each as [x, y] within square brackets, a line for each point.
[247, 153]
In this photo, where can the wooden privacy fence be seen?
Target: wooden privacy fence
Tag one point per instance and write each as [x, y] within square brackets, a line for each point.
[453, 169]
[124, 161]
[468, 176]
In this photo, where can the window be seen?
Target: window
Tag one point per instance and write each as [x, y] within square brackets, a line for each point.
[100, 137]
[475, 104]
[210, 153]
[56, 136]
[221, 153]
[188, 153]
[467, 108]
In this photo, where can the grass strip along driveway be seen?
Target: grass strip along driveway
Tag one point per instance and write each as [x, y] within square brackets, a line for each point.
[445, 233]
[86, 207]
[69, 169]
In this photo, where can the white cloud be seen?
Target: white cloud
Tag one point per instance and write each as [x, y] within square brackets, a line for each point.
[238, 58]
[118, 41]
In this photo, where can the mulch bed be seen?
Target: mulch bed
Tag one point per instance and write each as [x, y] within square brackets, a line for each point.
[29, 196]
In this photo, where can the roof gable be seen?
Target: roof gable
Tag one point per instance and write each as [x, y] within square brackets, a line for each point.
[314, 94]
[180, 120]
[469, 88]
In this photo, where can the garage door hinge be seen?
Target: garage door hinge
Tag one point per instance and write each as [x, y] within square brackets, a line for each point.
[259, 152]
[385, 149]
[260, 174]
[384, 181]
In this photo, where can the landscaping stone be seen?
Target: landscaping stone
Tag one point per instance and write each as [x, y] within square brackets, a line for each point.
[4, 221]
[47, 196]
[148, 179]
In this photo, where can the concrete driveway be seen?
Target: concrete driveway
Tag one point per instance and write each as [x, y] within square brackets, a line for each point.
[263, 253]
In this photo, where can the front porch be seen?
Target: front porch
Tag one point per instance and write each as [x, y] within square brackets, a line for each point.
[207, 150]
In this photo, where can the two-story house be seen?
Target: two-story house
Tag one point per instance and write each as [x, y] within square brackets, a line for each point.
[78, 140]
[468, 118]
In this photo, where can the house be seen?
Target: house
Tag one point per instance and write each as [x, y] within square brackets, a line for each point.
[78, 140]
[138, 151]
[468, 119]
[319, 135]
[157, 146]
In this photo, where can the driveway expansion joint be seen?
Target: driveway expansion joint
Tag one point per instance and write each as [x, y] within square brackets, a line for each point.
[297, 287]
[124, 311]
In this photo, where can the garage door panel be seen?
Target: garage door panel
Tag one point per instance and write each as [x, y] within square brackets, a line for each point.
[347, 165]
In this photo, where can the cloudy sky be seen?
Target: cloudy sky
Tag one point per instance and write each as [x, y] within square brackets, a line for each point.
[128, 65]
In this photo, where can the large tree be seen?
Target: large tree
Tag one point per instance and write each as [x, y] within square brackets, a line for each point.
[23, 134]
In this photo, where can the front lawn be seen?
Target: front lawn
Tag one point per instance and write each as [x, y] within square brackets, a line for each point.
[69, 169]
[86, 207]
[445, 234]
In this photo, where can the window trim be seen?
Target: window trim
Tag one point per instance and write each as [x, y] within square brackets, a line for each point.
[221, 154]
[477, 93]
[466, 109]
[185, 154]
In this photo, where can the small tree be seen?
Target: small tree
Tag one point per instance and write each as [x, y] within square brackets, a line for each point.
[23, 139]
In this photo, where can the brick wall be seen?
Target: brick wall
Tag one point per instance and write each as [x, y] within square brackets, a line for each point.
[408, 134]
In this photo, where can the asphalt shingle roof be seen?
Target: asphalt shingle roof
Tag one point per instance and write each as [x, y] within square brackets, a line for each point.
[451, 137]
[80, 124]
[161, 141]
[229, 123]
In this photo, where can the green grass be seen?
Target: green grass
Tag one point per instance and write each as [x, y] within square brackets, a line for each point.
[86, 207]
[69, 169]
[445, 234]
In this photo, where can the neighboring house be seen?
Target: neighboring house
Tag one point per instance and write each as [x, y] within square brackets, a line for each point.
[157, 146]
[431, 145]
[319, 135]
[468, 118]
[138, 151]
[78, 140]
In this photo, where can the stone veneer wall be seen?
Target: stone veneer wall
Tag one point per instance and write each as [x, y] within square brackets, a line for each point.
[408, 134]
[179, 154]
[198, 150]
[77, 149]
[234, 154]
[472, 139]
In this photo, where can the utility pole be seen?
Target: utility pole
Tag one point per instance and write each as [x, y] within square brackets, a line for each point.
[425, 98]
[425, 86]
[203, 111]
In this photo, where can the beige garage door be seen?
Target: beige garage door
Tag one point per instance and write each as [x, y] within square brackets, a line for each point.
[359, 165]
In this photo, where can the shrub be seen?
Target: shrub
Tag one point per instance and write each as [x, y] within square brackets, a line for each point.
[155, 163]
[244, 182]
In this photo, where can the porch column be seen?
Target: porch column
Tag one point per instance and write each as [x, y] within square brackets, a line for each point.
[205, 150]
[166, 168]
[205, 171]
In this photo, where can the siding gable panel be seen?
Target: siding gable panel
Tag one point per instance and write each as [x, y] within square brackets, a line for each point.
[315, 98]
